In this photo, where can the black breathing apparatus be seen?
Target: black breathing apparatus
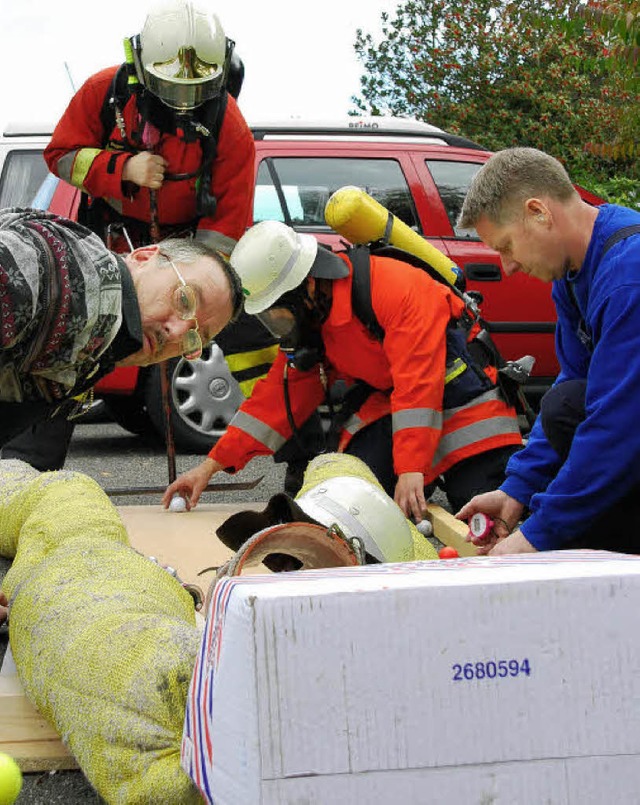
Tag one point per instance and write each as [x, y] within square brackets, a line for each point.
[295, 319]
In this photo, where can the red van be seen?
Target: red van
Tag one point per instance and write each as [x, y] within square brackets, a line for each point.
[418, 171]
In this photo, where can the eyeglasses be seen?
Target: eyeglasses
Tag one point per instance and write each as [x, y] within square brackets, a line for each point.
[184, 301]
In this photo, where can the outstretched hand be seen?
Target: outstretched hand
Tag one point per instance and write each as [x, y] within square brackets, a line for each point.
[192, 483]
[409, 495]
[514, 543]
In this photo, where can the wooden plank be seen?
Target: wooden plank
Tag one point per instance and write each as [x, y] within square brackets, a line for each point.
[185, 540]
[26, 735]
[450, 531]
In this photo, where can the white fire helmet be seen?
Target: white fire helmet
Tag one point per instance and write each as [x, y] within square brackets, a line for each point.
[271, 258]
[183, 54]
[363, 510]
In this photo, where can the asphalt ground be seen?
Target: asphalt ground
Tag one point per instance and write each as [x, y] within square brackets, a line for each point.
[117, 459]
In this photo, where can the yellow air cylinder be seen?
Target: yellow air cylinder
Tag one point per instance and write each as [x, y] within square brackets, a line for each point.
[360, 219]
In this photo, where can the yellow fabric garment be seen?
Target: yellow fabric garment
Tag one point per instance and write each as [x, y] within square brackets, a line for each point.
[104, 640]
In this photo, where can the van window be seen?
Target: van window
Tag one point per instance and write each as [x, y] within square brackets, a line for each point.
[296, 190]
[452, 180]
[22, 174]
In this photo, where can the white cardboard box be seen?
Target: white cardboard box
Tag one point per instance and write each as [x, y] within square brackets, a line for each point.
[507, 680]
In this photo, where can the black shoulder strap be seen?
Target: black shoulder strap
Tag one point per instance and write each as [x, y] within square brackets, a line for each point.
[619, 235]
[395, 253]
[205, 201]
[361, 290]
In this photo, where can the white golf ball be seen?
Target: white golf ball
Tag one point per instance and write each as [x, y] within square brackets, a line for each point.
[178, 504]
[425, 528]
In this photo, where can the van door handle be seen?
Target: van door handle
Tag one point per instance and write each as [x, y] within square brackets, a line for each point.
[482, 272]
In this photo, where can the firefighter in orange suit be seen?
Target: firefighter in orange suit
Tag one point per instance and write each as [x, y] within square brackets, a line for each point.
[419, 411]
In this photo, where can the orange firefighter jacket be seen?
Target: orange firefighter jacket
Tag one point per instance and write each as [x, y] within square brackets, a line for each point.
[76, 154]
[408, 369]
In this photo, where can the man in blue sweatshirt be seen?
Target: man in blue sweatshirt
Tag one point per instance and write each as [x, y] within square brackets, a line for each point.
[578, 478]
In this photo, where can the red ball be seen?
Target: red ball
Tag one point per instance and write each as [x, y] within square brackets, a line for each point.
[448, 553]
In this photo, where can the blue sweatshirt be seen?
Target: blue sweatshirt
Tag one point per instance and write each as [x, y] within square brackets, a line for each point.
[604, 460]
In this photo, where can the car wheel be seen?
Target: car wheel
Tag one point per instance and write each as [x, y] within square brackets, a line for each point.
[204, 398]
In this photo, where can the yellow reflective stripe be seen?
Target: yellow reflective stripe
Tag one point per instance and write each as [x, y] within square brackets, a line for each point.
[454, 370]
[247, 386]
[416, 418]
[81, 165]
[247, 360]
[476, 432]
[259, 430]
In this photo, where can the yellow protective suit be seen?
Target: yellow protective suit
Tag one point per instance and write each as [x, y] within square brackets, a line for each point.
[104, 640]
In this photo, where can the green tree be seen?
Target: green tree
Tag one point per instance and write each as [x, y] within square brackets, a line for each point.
[501, 73]
[618, 23]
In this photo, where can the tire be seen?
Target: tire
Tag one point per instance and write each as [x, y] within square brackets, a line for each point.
[204, 398]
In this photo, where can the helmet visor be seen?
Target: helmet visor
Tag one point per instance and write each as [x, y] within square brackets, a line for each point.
[186, 64]
[184, 81]
[182, 93]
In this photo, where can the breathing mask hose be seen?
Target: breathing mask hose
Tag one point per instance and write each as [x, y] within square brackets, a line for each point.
[295, 431]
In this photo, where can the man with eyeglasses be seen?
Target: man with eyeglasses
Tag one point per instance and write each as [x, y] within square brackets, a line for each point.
[72, 310]
[159, 148]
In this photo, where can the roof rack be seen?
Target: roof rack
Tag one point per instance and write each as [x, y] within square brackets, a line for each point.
[340, 127]
[28, 130]
[359, 127]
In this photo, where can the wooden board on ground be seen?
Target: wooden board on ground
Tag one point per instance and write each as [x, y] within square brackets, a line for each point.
[24, 733]
[188, 542]
[450, 531]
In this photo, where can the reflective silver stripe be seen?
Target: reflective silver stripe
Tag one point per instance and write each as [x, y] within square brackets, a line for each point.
[347, 520]
[267, 436]
[64, 166]
[416, 418]
[488, 396]
[353, 424]
[463, 437]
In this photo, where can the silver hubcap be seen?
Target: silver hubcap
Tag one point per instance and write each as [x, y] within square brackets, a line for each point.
[205, 394]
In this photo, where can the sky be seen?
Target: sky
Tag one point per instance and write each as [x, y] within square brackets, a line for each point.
[298, 56]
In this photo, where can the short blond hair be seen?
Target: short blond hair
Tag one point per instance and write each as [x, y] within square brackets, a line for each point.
[507, 179]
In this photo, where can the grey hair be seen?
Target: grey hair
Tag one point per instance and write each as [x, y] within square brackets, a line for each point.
[507, 179]
[188, 250]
